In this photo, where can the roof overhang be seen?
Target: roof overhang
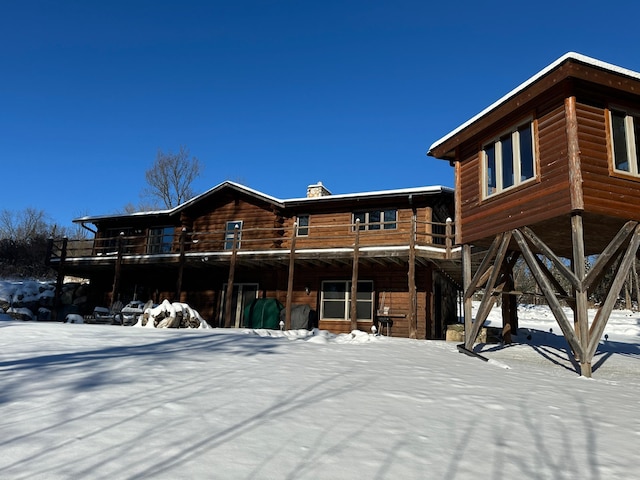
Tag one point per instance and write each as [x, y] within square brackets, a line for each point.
[570, 65]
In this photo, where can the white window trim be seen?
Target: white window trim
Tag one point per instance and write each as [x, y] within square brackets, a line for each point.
[517, 161]
[366, 225]
[347, 296]
[305, 228]
[629, 132]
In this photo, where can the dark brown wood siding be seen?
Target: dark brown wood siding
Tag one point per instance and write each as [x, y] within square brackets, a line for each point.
[604, 193]
[545, 197]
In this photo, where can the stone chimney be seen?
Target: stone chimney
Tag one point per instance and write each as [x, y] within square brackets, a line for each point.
[317, 190]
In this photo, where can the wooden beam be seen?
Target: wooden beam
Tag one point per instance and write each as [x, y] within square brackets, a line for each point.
[413, 299]
[488, 299]
[608, 254]
[547, 288]
[580, 308]
[466, 282]
[354, 278]
[226, 321]
[115, 292]
[292, 258]
[602, 316]
[457, 193]
[59, 278]
[547, 252]
[573, 154]
[484, 265]
[182, 239]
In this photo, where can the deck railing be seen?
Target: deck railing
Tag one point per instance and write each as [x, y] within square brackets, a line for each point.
[433, 234]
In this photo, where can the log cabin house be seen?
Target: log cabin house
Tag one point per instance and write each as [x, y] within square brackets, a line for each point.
[391, 250]
[550, 173]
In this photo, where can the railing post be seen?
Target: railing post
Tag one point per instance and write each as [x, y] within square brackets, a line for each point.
[354, 278]
[292, 255]
[448, 237]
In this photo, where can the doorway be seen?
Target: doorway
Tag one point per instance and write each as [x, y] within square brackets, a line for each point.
[243, 295]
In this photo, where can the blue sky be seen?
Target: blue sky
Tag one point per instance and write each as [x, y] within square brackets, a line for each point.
[276, 95]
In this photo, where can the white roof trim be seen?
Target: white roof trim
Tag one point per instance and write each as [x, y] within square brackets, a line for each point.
[567, 56]
[381, 193]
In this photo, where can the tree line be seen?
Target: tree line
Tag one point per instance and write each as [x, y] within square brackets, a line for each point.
[24, 234]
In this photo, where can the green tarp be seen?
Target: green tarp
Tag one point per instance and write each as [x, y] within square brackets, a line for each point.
[263, 313]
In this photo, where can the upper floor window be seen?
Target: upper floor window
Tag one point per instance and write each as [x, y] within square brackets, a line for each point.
[303, 225]
[509, 160]
[625, 129]
[160, 240]
[377, 219]
[230, 233]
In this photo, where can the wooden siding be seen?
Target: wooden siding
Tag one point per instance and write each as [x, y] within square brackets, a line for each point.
[604, 193]
[253, 217]
[547, 196]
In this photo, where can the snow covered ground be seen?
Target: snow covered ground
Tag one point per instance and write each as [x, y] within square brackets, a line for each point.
[111, 402]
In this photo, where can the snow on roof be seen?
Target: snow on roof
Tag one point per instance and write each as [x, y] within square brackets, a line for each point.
[567, 56]
[255, 193]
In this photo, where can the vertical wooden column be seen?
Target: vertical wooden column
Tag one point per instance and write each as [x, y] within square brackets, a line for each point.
[182, 240]
[413, 296]
[509, 302]
[60, 276]
[354, 278]
[581, 319]
[292, 256]
[115, 292]
[466, 286]
[226, 321]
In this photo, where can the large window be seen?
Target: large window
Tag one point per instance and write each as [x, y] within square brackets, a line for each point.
[509, 160]
[336, 300]
[377, 219]
[625, 129]
[230, 232]
[160, 239]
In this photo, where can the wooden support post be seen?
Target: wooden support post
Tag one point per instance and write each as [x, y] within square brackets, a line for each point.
[226, 321]
[488, 299]
[354, 278]
[413, 297]
[509, 302]
[549, 293]
[467, 307]
[292, 257]
[60, 277]
[573, 155]
[581, 314]
[115, 292]
[182, 240]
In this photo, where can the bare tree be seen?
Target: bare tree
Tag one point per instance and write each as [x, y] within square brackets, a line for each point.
[25, 225]
[169, 179]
